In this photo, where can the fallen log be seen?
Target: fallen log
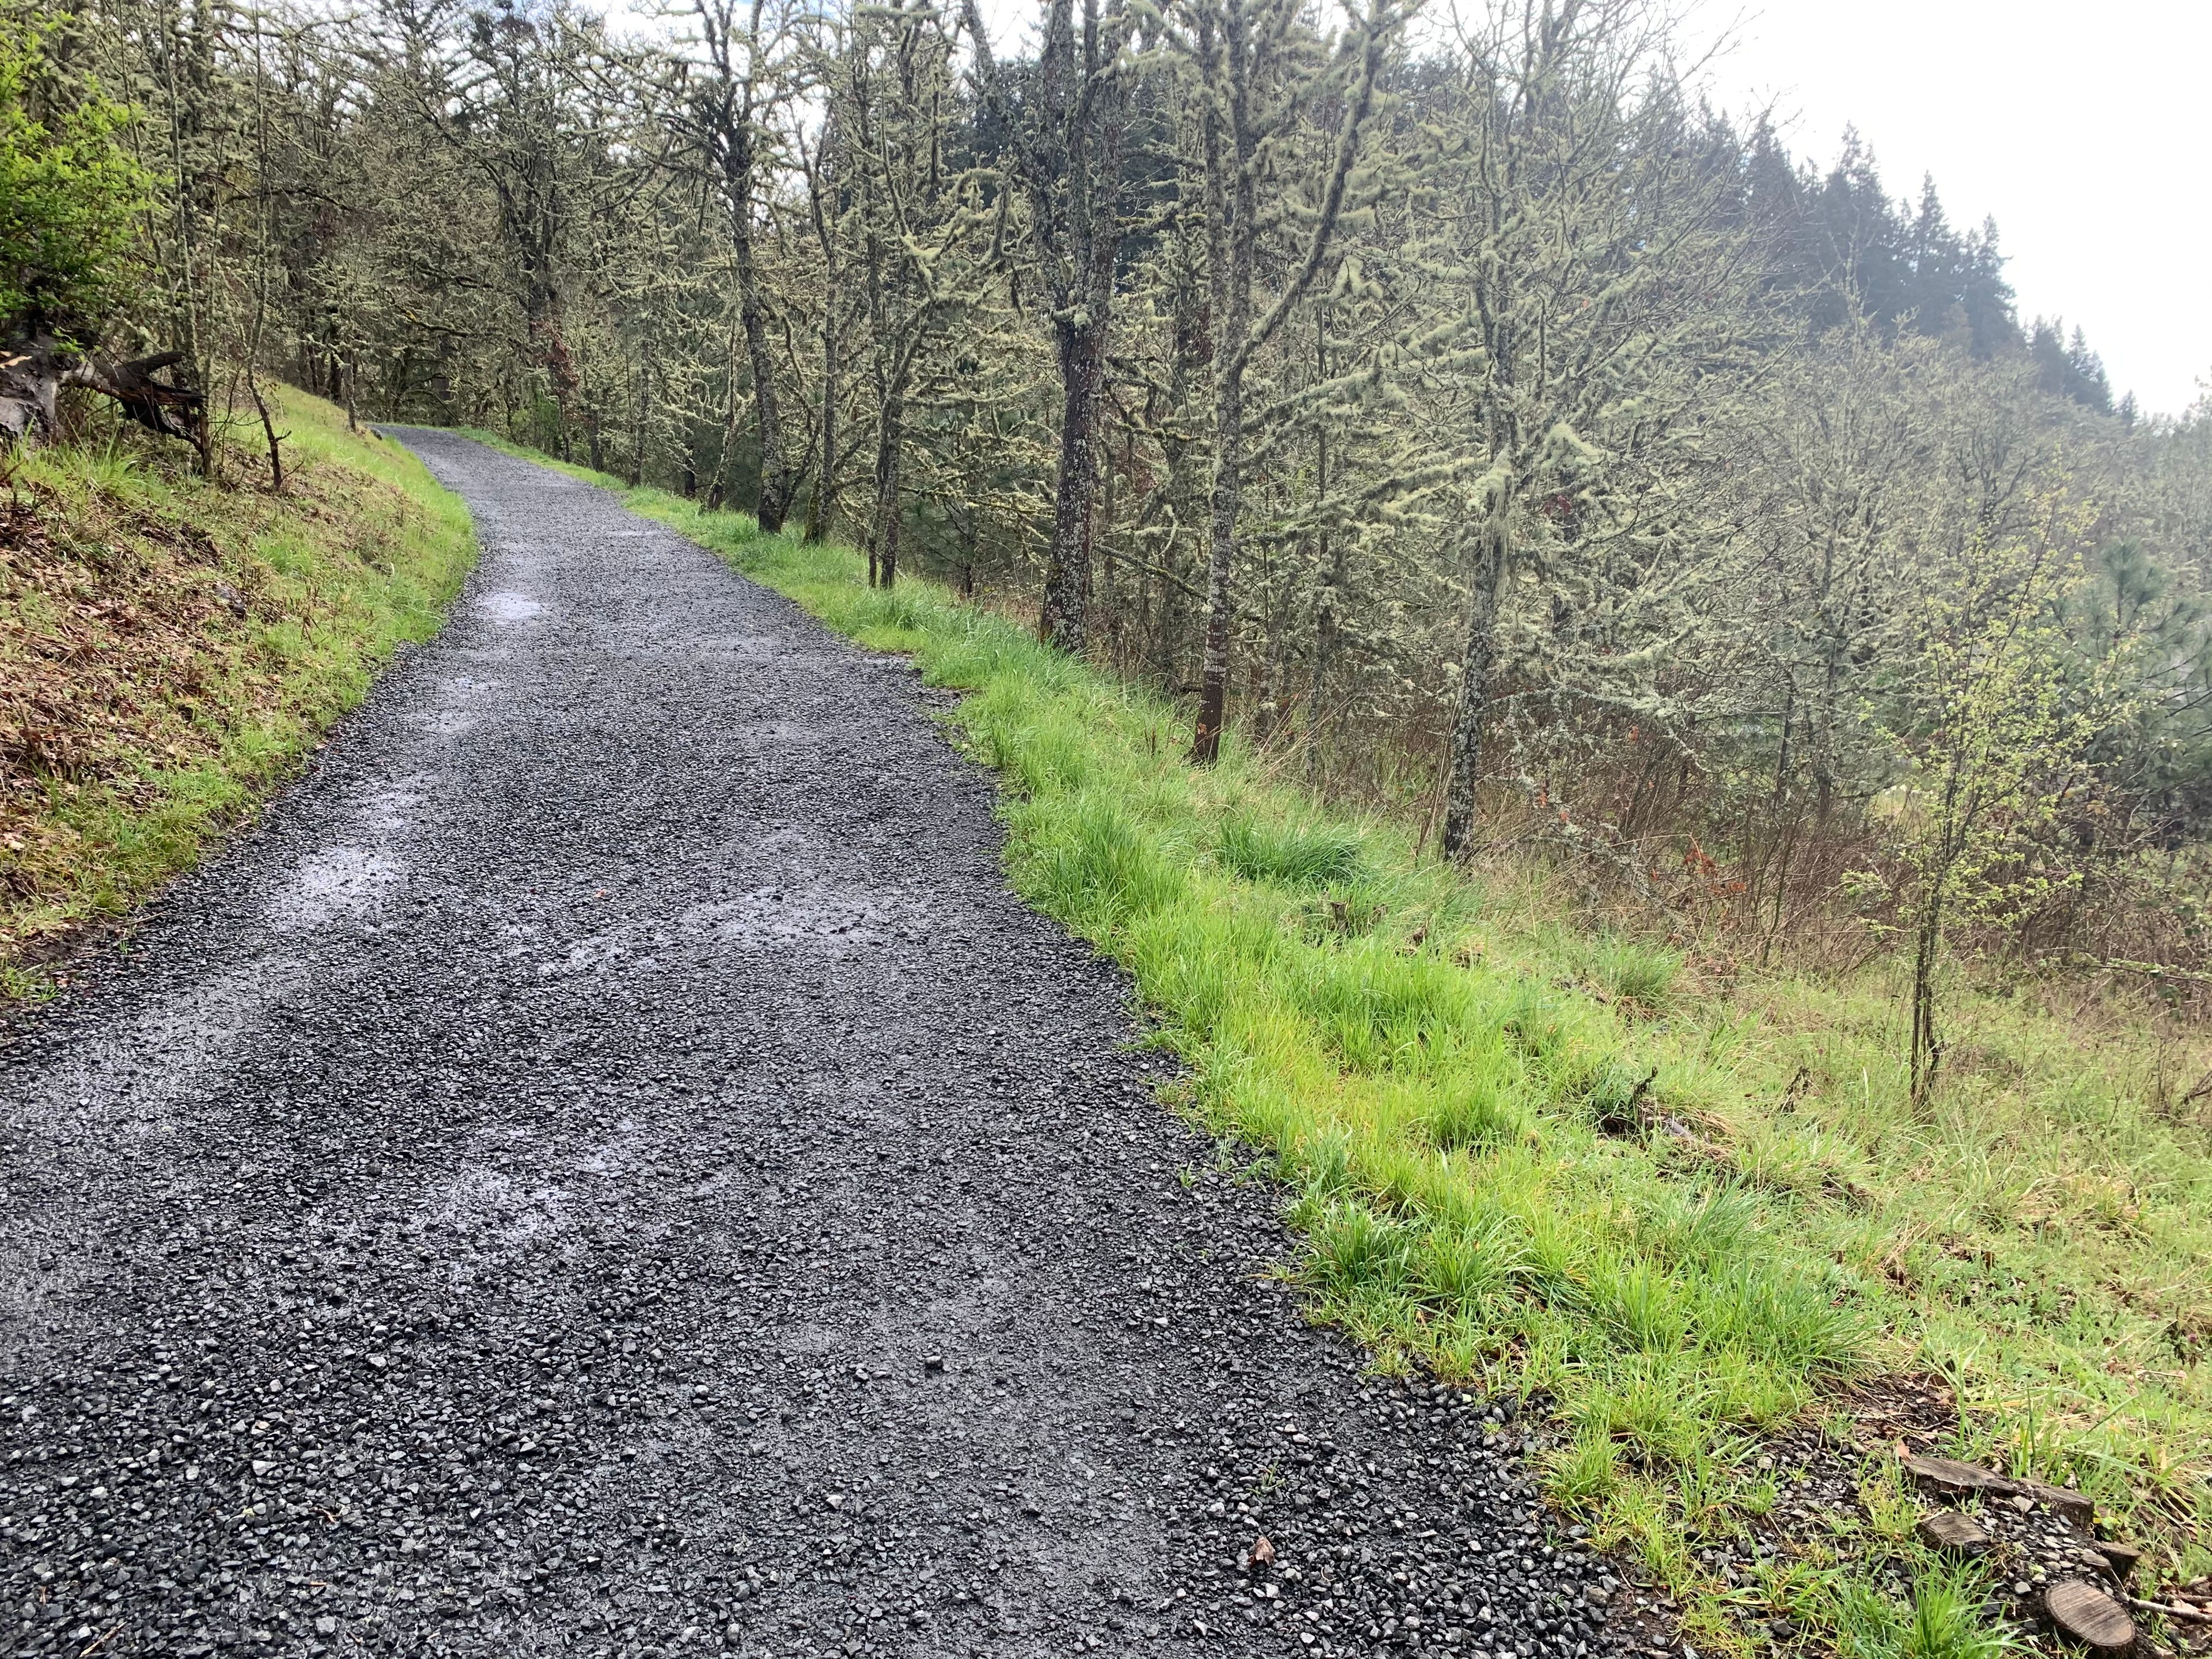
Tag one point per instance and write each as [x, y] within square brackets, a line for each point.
[2171, 1610]
[175, 411]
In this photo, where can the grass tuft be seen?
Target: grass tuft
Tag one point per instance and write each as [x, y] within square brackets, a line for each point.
[1637, 976]
[1358, 1254]
[1478, 1108]
[1948, 1617]
[1289, 854]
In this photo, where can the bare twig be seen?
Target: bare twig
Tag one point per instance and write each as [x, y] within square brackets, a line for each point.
[2194, 1615]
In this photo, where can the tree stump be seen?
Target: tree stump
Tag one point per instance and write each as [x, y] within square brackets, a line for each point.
[2121, 1558]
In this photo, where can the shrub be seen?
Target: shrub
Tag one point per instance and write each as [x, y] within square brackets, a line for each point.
[69, 191]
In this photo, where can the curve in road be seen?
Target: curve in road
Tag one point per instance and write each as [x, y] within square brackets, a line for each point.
[607, 1167]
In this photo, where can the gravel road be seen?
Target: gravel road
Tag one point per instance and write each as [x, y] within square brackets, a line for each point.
[607, 1168]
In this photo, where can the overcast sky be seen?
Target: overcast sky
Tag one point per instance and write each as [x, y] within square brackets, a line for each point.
[2085, 130]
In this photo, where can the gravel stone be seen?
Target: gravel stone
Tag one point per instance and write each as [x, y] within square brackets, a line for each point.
[606, 1167]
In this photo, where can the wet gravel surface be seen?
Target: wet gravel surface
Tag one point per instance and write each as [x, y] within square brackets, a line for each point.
[607, 1168]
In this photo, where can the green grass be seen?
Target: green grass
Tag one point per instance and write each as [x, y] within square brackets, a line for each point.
[1291, 854]
[162, 715]
[1543, 1160]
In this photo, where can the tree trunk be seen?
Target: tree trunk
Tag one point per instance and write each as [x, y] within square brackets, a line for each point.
[1267, 716]
[1065, 619]
[823, 506]
[884, 528]
[30, 382]
[1227, 497]
[1466, 760]
[1925, 1050]
[1330, 560]
[1325, 633]
[774, 504]
[552, 341]
[1824, 753]
[1232, 197]
[718, 483]
[268, 432]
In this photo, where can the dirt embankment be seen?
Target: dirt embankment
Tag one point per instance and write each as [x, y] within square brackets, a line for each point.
[169, 647]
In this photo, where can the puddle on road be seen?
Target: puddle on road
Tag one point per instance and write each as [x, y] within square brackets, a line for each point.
[336, 881]
[675, 637]
[507, 605]
[790, 913]
[823, 914]
[457, 702]
[349, 877]
[498, 1209]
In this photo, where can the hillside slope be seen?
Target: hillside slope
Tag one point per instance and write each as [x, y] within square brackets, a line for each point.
[170, 648]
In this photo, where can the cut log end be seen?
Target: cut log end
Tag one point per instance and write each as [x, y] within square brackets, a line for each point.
[2090, 1617]
[1959, 1534]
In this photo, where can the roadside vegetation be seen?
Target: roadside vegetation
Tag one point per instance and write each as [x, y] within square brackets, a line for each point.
[1688, 1213]
[172, 646]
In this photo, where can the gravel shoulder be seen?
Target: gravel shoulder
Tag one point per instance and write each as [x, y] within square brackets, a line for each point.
[607, 1167]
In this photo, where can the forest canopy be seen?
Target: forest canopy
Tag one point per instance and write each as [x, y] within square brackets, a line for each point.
[1470, 413]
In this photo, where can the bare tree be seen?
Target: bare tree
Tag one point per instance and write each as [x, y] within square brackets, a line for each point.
[722, 106]
[1603, 278]
[514, 101]
[915, 222]
[1066, 136]
[1256, 79]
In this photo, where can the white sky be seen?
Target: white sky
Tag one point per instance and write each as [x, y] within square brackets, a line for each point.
[2085, 129]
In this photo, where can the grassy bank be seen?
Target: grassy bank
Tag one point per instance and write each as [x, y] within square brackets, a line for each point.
[170, 648]
[1700, 1221]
